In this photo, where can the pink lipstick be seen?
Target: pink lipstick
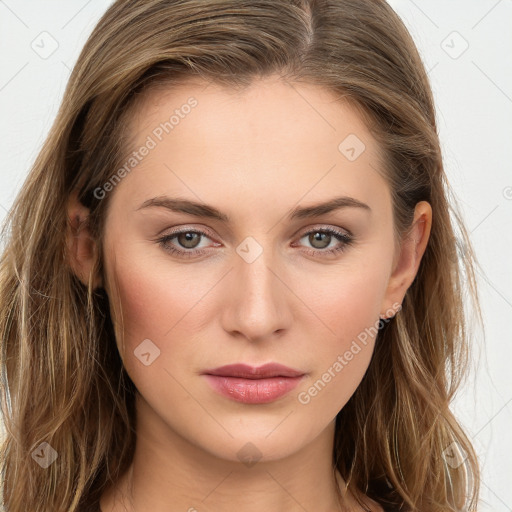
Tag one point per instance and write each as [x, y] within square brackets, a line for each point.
[253, 385]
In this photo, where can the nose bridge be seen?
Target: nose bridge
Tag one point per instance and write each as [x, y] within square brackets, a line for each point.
[258, 298]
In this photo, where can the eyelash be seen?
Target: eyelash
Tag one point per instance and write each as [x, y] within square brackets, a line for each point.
[345, 239]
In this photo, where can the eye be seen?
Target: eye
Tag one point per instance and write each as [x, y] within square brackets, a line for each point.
[187, 242]
[322, 240]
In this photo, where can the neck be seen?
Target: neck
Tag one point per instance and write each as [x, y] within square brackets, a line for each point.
[168, 473]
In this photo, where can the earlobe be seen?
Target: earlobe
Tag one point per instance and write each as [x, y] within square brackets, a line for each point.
[81, 247]
[411, 252]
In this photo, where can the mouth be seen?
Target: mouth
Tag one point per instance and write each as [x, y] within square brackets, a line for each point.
[253, 385]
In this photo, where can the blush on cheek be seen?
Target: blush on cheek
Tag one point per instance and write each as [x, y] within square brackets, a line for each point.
[155, 303]
[351, 312]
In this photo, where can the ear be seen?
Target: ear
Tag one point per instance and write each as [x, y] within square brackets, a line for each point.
[81, 248]
[407, 263]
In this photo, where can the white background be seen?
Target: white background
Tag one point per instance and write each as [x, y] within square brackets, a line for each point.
[473, 91]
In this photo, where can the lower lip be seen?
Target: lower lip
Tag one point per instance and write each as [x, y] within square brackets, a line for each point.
[253, 391]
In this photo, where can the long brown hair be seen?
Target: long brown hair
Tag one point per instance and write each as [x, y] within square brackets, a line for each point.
[63, 382]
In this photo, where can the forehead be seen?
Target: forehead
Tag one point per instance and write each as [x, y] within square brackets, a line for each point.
[265, 106]
[271, 138]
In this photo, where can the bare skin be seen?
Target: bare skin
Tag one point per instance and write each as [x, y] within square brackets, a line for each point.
[255, 156]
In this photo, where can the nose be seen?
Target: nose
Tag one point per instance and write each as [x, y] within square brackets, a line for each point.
[259, 300]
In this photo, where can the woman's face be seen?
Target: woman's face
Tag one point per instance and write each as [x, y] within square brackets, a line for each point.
[255, 277]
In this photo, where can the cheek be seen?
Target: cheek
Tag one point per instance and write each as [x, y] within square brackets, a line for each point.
[157, 312]
[159, 303]
[349, 305]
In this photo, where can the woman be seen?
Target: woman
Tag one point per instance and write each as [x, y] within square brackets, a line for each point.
[231, 279]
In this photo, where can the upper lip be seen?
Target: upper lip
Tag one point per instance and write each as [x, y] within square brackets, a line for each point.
[252, 372]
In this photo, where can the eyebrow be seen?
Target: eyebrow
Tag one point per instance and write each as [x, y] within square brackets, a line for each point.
[204, 210]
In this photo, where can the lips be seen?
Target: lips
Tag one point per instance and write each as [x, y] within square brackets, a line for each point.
[253, 385]
[251, 372]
